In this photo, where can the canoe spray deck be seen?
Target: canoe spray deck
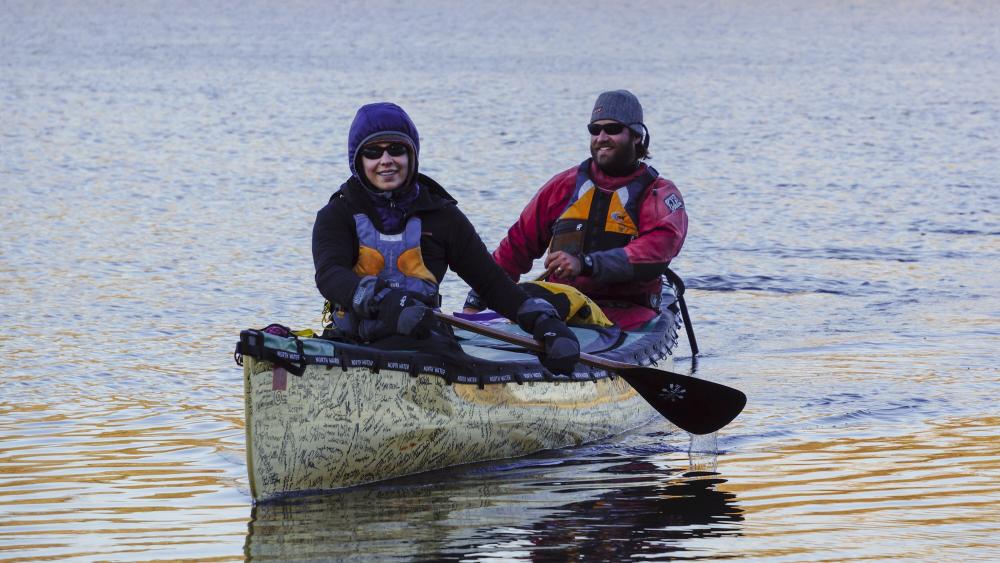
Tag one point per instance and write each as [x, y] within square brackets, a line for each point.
[468, 358]
[323, 414]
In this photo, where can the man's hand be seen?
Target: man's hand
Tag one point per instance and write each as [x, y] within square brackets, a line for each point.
[562, 265]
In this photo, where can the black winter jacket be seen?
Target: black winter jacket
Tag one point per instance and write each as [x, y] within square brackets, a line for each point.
[448, 241]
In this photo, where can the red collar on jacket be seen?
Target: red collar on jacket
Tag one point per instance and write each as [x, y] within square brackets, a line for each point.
[606, 182]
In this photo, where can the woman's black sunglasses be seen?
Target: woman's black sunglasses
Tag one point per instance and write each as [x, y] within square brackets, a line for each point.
[609, 128]
[374, 153]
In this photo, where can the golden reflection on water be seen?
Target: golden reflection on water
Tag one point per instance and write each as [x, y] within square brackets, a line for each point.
[928, 494]
[118, 477]
[134, 476]
[941, 480]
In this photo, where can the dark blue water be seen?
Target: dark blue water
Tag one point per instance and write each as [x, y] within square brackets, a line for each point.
[161, 165]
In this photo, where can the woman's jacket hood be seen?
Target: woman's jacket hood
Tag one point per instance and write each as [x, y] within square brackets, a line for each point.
[382, 121]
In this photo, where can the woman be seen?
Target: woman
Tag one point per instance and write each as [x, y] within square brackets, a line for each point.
[383, 243]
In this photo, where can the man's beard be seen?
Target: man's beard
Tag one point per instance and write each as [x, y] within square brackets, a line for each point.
[622, 160]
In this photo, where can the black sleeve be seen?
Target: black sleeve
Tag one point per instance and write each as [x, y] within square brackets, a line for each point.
[468, 257]
[334, 248]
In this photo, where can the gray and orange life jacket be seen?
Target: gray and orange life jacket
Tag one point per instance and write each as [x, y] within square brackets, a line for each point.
[595, 219]
[395, 259]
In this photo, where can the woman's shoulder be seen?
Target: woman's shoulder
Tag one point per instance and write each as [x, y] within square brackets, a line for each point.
[338, 208]
[346, 195]
[431, 191]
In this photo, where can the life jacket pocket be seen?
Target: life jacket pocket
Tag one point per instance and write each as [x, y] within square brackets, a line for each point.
[568, 236]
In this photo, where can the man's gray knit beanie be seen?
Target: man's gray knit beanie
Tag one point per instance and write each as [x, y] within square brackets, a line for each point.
[621, 106]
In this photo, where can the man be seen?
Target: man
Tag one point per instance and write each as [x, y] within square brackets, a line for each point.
[384, 241]
[611, 225]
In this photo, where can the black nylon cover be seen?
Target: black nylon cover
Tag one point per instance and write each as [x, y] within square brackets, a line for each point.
[467, 359]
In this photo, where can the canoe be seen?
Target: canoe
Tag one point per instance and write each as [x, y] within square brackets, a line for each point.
[322, 414]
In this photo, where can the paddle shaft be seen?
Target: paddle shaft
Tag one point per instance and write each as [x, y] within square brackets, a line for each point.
[531, 343]
[695, 405]
[546, 273]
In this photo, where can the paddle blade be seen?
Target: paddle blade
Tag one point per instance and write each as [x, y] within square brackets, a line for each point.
[693, 405]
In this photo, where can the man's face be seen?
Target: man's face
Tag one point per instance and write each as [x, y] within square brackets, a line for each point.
[386, 165]
[612, 152]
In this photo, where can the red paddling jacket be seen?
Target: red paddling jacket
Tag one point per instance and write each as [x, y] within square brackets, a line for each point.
[625, 230]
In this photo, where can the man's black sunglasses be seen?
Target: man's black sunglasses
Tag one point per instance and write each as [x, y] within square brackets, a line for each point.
[609, 128]
[374, 153]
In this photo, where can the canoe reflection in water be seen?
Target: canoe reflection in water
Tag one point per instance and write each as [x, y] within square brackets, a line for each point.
[605, 506]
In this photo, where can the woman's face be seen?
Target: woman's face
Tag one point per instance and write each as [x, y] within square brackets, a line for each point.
[386, 164]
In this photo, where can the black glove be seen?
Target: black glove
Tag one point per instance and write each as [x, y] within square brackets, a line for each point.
[562, 349]
[364, 302]
[401, 312]
[474, 301]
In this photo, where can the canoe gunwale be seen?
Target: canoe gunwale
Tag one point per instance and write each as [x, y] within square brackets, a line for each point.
[294, 354]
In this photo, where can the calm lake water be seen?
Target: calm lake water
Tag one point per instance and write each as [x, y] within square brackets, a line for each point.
[161, 164]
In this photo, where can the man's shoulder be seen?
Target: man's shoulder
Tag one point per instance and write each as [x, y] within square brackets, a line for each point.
[666, 192]
[664, 183]
[570, 172]
[664, 187]
[562, 180]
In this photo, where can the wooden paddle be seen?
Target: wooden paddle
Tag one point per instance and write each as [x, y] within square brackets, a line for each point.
[546, 273]
[694, 405]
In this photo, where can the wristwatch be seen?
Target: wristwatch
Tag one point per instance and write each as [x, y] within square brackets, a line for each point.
[586, 265]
